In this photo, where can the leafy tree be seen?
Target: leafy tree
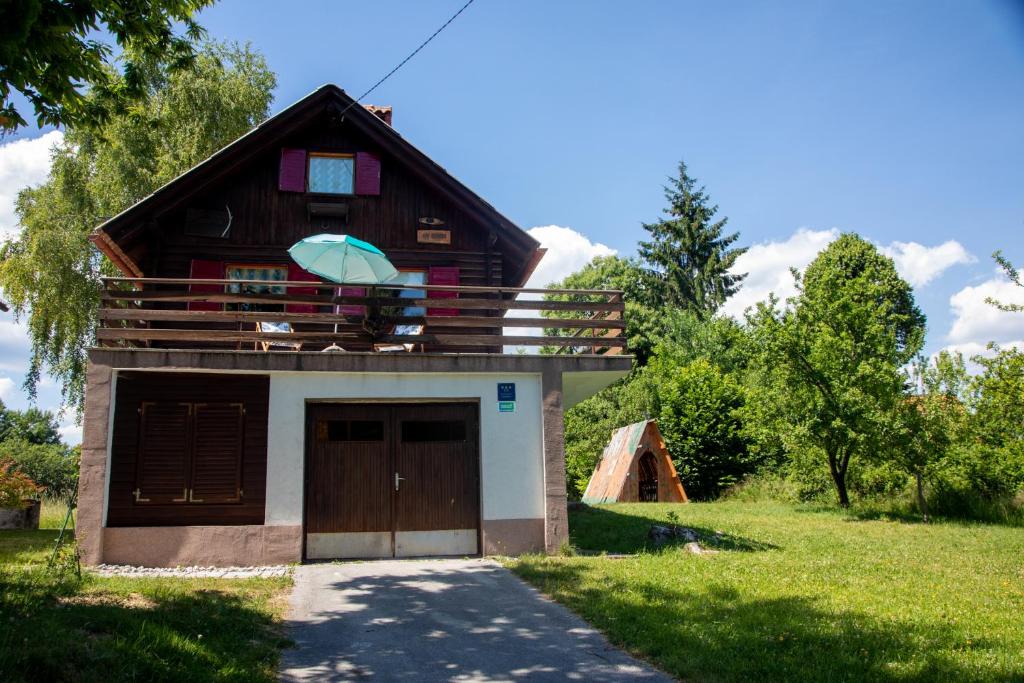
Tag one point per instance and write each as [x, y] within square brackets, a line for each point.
[837, 353]
[690, 257]
[50, 54]
[1014, 277]
[50, 272]
[997, 425]
[52, 466]
[32, 426]
[699, 417]
[932, 417]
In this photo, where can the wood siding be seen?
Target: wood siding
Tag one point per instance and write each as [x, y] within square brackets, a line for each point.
[230, 412]
[265, 220]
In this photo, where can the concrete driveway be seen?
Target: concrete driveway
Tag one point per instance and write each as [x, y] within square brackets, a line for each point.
[440, 620]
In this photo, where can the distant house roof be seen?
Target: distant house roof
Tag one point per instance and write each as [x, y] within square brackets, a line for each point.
[108, 236]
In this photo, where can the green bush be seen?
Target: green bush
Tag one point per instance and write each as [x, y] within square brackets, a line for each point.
[52, 466]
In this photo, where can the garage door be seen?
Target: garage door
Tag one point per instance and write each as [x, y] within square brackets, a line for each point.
[392, 480]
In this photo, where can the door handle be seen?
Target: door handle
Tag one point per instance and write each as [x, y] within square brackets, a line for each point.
[397, 480]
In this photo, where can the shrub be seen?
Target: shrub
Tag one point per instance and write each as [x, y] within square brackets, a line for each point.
[53, 466]
[15, 486]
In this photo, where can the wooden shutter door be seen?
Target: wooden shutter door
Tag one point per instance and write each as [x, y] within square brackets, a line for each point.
[442, 275]
[292, 171]
[217, 442]
[161, 468]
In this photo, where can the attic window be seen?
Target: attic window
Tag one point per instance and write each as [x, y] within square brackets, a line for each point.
[331, 173]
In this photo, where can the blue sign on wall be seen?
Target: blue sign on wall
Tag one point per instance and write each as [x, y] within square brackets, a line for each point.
[506, 391]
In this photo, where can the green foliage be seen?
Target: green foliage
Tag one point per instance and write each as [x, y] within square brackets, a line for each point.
[997, 425]
[700, 419]
[833, 358]
[49, 273]
[53, 466]
[33, 426]
[15, 486]
[49, 52]
[678, 372]
[690, 257]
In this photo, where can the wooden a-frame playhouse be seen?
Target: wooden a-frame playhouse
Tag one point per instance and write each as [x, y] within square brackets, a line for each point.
[635, 467]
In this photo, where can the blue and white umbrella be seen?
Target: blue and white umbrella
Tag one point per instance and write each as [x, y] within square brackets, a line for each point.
[343, 259]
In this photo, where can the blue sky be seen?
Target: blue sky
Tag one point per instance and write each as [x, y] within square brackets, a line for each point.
[901, 121]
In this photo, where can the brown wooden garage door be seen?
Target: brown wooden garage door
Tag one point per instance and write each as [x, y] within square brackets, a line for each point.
[392, 480]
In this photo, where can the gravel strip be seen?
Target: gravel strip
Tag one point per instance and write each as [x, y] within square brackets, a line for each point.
[193, 572]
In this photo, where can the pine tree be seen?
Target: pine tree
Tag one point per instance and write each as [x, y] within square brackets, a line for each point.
[688, 254]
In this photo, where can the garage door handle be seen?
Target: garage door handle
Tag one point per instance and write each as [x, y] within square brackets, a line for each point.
[397, 480]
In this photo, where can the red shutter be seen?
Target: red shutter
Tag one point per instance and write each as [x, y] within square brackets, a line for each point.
[298, 274]
[205, 270]
[367, 173]
[442, 275]
[161, 474]
[218, 435]
[350, 309]
[292, 173]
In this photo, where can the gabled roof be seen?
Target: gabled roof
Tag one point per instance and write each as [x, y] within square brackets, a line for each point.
[269, 134]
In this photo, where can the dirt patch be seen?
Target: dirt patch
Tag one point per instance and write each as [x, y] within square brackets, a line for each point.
[130, 601]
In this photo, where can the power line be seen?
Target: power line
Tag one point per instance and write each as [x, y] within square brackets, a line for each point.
[411, 55]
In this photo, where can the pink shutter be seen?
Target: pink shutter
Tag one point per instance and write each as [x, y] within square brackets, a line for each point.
[367, 173]
[292, 173]
[298, 274]
[350, 309]
[442, 275]
[205, 270]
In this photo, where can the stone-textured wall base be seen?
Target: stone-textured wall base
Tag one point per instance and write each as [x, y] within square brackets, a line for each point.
[205, 546]
[513, 536]
[21, 518]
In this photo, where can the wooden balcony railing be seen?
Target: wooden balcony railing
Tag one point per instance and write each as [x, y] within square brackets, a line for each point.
[154, 312]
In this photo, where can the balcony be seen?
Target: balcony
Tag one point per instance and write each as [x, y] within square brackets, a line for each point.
[217, 314]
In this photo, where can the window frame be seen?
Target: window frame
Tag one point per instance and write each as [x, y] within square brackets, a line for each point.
[329, 155]
[273, 308]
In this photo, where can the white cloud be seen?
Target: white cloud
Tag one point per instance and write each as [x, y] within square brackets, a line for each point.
[567, 252]
[6, 387]
[23, 163]
[977, 322]
[71, 434]
[919, 265]
[767, 266]
[971, 349]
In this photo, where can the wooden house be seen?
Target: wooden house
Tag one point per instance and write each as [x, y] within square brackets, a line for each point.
[635, 467]
[240, 410]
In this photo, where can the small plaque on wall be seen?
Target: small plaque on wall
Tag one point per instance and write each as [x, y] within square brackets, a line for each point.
[434, 236]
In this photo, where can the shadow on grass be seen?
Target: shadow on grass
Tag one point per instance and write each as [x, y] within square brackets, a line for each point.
[618, 531]
[716, 633]
[112, 630]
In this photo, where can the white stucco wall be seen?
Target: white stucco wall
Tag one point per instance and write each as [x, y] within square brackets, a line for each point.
[511, 444]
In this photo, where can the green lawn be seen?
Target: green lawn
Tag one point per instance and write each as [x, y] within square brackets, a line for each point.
[115, 629]
[797, 594]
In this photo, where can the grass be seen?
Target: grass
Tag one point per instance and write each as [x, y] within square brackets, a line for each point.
[120, 629]
[798, 594]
